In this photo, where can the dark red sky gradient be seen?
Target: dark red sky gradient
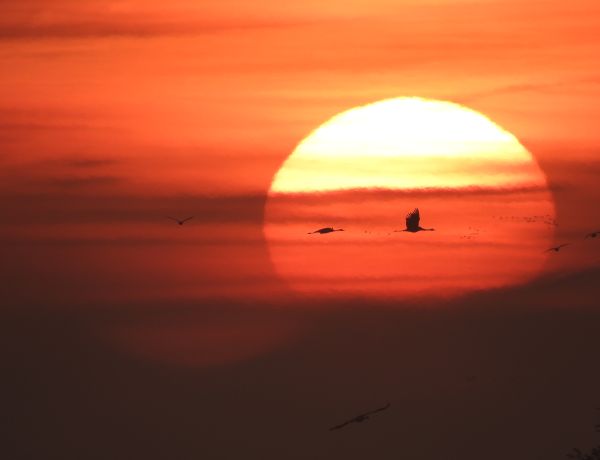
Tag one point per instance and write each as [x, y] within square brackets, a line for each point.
[126, 336]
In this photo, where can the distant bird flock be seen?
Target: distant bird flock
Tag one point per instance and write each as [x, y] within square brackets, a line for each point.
[413, 219]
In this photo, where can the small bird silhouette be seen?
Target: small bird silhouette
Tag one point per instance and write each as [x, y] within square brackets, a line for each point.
[592, 235]
[474, 232]
[180, 222]
[359, 418]
[556, 248]
[326, 230]
[412, 223]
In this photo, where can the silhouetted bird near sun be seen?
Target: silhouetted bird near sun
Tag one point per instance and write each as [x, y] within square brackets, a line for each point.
[593, 234]
[180, 222]
[556, 248]
[327, 230]
[412, 223]
[359, 418]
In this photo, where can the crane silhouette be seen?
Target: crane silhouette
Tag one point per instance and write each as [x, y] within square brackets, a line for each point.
[557, 248]
[359, 418]
[326, 230]
[412, 223]
[592, 234]
[182, 221]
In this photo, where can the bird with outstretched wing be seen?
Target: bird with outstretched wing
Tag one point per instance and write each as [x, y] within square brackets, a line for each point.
[359, 418]
[412, 220]
[556, 248]
[327, 230]
[182, 221]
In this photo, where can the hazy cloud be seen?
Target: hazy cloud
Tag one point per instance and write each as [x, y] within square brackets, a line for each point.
[86, 163]
[563, 86]
[81, 182]
[69, 208]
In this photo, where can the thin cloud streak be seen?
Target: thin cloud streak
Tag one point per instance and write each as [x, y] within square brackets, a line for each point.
[131, 27]
[44, 208]
[82, 182]
[388, 194]
[564, 86]
[69, 208]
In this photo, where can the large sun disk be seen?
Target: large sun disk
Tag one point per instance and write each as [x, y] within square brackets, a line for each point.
[365, 168]
[369, 146]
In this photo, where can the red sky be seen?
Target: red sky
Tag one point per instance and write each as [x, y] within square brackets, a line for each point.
[115, 114]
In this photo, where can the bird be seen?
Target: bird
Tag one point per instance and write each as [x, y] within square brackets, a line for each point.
[180, 222]
[326, 230]
[412, 223]
[359, 418]
[469, 236]
[592, 234]
[556, 248]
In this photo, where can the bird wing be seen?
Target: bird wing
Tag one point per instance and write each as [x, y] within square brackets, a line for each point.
[378, 410]
[412, 219]
[341, 425]
[188, 218]
[563, 245]
[172, 218]
[325, 230]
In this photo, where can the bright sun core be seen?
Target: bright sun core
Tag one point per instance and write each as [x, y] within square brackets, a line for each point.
[367, 147]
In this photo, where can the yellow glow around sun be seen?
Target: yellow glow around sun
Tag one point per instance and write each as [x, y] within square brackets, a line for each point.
[407, 143]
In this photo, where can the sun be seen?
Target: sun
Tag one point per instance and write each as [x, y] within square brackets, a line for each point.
[367, 167]
[406, 143]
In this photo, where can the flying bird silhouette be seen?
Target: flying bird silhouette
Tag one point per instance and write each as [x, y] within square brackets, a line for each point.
[326, 230]
[180, 222]
[359, 418]
[556, 248]
[592, 235]
[412, 223]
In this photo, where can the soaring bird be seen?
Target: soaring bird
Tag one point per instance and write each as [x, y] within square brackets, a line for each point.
[327, 230]
[180, 222]
[593, 234]
[359, 418]
[556, 248]
[412, 223]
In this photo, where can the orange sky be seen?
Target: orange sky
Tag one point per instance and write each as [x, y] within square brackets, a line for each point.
[120, 327]
[216, 100]
[112, 112]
